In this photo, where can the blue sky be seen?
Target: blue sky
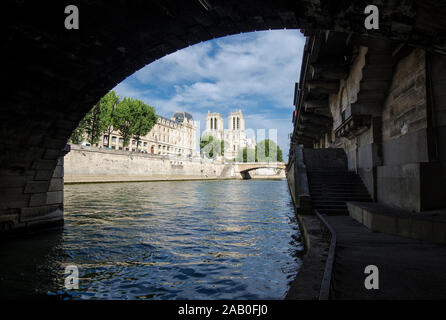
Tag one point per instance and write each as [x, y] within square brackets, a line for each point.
[254, 72]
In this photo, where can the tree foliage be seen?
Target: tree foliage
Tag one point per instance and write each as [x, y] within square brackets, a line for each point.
[211, 147]
[144, 119]
[265, 151]
[109, 101]
[131, 117]
[96, 121]
[246, 155]
[268, 151]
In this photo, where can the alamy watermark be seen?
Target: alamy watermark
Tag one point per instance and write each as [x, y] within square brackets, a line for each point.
[72, 20]
[251, 146]
[71, 277]
[372, 280]
[371, 22]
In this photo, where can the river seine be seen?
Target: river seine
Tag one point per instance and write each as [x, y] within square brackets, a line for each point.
[226, 239]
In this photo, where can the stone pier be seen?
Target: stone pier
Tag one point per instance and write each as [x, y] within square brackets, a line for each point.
[33, 199]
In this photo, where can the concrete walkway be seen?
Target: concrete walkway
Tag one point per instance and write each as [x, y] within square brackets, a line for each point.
[408, 269]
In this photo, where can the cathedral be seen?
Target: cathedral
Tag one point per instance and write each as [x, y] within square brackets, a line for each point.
[235, 136]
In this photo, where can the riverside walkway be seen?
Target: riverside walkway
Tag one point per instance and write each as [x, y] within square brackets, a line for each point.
[408, 269]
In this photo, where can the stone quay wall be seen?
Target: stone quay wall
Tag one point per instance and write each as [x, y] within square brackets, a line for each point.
[90, 164]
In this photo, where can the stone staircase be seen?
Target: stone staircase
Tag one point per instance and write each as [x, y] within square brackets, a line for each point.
[330, 190]
[331, 184]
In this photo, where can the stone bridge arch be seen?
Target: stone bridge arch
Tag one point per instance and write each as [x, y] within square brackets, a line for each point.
[243, 168]
[54, 76]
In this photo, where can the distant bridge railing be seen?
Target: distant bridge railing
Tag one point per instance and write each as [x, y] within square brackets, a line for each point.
[248, 166]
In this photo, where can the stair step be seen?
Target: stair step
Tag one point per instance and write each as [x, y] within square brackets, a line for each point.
[333, 212]
[330, 190]
[337, 190]
[327, 202]
[339, 184]
[344, 199]
[329, 206]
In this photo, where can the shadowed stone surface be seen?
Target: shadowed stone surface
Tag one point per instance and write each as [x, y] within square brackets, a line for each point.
[408, 269]
[54, 76]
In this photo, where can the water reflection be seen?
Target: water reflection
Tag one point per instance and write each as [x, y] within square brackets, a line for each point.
[163, 240]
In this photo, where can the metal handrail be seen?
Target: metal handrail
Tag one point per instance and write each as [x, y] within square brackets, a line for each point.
[324, 292]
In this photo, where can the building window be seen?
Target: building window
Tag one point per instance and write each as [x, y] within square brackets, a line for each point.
[121, 140]
[238, 123]
[233, 123]
[113, 139]
[152, 149]
[145, 144]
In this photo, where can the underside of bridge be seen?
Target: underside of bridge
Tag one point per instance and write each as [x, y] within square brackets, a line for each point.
[54, 75]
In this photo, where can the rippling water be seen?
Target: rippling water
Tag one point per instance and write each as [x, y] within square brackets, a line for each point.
[163, 240]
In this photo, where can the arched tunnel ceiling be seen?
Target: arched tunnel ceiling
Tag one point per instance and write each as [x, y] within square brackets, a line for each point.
[54, 75]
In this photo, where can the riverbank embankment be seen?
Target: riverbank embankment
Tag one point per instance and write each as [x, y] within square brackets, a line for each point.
[97, 165]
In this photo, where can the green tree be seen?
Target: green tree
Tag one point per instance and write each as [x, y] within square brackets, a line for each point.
[109, 102]
[99, 119]
[122, 120]
[211, 146]
[133, 118]
[268, 151]
[246, 155]
[144, 119]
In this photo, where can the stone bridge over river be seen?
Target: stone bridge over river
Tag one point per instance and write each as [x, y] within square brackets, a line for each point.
[244, 167]
[55, 76]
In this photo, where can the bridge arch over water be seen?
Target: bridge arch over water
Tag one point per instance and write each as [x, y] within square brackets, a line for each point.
[245, 167]
[54, 76]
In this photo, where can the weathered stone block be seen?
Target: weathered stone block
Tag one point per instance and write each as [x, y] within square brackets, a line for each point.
[32, 212]
[58, 172]
[404, 226]
[44, 164]
[439, 232]
[367, 219]
[51, 154]
[422, 229]
[38, 199]
[55, 197]
[9, 181]
[56, 184]
[36, 186]
[355, 212]
[54, 143]
[383, 223]
[43, 175]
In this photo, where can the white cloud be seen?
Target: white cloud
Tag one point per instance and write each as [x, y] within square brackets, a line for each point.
[254, 72]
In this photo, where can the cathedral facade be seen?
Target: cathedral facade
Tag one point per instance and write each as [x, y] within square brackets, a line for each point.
[234, 137]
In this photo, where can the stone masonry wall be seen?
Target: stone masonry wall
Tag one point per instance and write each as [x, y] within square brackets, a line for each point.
[404, 135]
[404, 112]
[85, 162]
[33, 198]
